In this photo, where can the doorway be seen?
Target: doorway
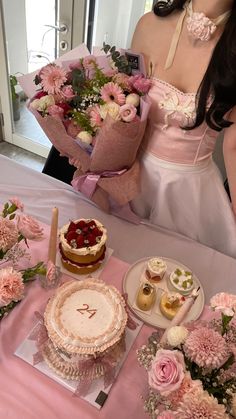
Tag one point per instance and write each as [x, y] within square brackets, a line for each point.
[31, 37]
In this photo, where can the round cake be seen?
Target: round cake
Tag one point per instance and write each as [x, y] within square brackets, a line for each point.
[82, 245]
[84, 320]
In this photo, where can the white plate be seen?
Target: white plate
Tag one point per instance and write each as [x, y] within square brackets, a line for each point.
[154, 317]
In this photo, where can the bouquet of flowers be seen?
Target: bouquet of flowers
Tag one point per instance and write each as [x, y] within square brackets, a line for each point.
[16, 228]
[193, 374]
[95, 113]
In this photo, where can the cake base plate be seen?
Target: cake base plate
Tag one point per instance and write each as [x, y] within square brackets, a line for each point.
[97, 393]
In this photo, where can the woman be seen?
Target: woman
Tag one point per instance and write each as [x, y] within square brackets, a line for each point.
[190, 48]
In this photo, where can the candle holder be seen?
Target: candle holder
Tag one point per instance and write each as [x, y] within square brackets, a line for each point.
[52, 277]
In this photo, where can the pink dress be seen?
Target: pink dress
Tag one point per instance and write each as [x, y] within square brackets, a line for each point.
[181, 187]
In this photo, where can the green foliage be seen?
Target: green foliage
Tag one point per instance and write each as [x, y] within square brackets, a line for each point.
[120, 61]
[13, 83]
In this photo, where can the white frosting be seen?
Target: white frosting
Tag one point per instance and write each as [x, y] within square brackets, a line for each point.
[84, 323]
[156, 266]
[101, 327]
[89, 250]
[182, 280]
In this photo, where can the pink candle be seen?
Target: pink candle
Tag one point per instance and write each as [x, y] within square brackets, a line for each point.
[182, 312]
[52, 249]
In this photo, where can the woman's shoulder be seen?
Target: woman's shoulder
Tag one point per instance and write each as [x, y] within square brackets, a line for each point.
[149, 26]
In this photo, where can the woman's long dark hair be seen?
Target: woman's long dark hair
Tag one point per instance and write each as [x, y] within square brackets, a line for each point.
[220, 76]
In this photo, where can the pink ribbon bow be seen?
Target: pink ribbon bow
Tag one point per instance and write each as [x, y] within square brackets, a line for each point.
[40, 336]
[89, 368]
[87, 183]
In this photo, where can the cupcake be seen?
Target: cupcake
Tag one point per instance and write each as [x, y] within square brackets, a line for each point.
[155, 269]
[181, 281]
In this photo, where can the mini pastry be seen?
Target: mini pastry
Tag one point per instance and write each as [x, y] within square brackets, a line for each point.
[170, 303]
[146, 296]
[155, 269]
[181, 281]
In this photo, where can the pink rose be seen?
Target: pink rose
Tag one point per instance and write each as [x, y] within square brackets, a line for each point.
[167, 414]
[56, 111]
[140, 83]
[15, 201]
[29, 227]
[11, 286]
[127, 112]
[167, 371]
[67, 92]
[77, 65]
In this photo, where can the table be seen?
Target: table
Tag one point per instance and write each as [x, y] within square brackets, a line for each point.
[26, 393]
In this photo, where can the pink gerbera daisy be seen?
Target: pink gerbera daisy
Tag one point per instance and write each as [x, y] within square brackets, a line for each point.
[206, 347]
[95, 117]
[199, 406]
[111, 92]
[52, 78]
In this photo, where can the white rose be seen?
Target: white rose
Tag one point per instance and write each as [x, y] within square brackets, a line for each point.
[110, 108]
[177, 335]
[132, 99]
[43, 103]
[85, 137]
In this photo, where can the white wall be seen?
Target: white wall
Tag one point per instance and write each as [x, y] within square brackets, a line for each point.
[15, 28]
[115, 21]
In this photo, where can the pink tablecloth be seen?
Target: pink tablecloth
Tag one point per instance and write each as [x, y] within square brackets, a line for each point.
[25, 393]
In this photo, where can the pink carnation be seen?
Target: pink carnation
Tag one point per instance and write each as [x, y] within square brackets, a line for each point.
[140, 83]
[187, 385]
[111, 92]
[11, 286]
[8, 234]
[223, 300]
[167, 371]
[206, 347]
[15, 201]
[200, 405]
[52, 78]
[29, 227]
[128, 112]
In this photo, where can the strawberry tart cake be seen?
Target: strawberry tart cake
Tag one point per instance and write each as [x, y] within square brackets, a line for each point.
[82, 245]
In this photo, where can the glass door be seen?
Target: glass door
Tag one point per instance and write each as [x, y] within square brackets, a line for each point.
[33, 34]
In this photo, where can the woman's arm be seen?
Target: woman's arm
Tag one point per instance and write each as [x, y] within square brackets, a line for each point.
[229, 150]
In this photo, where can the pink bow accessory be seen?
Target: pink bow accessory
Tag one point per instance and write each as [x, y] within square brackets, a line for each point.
[40, 336]
[87, 183]
[89, 368]
[200, 26]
